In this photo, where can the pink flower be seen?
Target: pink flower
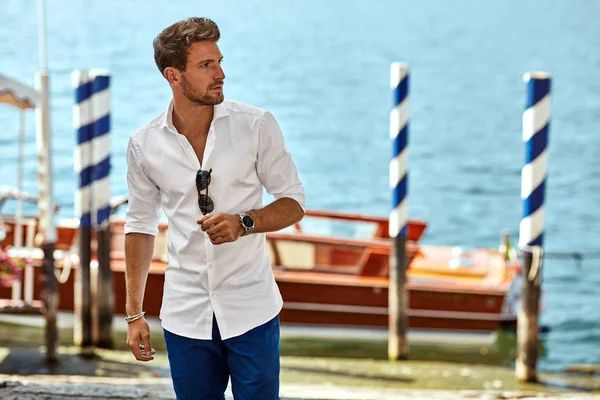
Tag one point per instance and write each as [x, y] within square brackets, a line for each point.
[11, 269]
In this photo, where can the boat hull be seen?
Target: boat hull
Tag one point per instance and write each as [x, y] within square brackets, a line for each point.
[330, 304]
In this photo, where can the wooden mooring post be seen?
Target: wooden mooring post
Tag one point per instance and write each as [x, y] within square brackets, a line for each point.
[398, 303]
[83, 295]
[83, 156]
[104, 291]
[101, 194]
[95, 297]
[398, 223]
[527, 319]
[536, 122]
[50, 300]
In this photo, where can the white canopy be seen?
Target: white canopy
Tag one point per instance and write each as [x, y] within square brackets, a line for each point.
[16, 93]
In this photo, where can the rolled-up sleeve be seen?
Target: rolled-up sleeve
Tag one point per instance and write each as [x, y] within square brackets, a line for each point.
[143, 213]
[276, 168]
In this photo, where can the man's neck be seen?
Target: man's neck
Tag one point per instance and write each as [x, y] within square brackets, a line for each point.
[190, 119]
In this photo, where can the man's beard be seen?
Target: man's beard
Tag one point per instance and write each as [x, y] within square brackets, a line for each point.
[201, 99]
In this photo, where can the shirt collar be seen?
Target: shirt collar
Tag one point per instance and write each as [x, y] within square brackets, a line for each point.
[220, 111]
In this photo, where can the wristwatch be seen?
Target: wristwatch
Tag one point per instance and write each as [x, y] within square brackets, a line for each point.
[247, 223]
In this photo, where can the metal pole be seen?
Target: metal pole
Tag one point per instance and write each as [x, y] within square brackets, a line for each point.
[28, 276]
[398, 298]
[42, 35]
[47, 229]
[18, 238]
[536, 123]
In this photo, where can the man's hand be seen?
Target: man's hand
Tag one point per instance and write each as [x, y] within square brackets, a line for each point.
[222, 228]
[137, 332]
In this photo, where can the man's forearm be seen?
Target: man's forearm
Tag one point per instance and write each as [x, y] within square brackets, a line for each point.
[276, 216]
[139, 248]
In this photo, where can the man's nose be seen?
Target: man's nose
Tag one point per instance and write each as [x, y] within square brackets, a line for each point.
[220, 74]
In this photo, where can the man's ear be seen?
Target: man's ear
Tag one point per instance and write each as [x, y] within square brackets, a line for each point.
[171, 75]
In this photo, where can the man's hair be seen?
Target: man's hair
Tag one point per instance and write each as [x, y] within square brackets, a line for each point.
[172, 45]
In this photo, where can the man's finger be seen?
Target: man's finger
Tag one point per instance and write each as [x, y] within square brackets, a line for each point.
[136, 350]
[212, 221]
[147, 347]
[212, 218]
[205, 222]
[152, 351]
[217, 225]
[215, 231]
[221, 240]
[206, 217]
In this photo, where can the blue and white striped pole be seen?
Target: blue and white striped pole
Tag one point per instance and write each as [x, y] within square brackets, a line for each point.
[100, 146]
[91, 119]
[399, 137]
[101, 194]
[536, 123]
[398, 224]
[83, 122]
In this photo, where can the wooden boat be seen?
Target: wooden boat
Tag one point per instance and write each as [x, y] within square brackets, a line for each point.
[338, 281]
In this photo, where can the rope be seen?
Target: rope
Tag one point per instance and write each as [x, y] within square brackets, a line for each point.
[68, 261]
[577, 256]
[536, 265]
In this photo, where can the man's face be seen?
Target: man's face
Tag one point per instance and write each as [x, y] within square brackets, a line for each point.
[202, 81]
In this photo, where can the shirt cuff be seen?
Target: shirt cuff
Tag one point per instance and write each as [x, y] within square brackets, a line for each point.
[140, 229]
[300, 199]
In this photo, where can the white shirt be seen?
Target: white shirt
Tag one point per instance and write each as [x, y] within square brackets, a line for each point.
[245, 150]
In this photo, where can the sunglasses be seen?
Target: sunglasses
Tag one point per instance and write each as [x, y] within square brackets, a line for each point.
[204, 201]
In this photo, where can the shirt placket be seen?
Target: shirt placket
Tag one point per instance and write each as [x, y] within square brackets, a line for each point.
[208, 247]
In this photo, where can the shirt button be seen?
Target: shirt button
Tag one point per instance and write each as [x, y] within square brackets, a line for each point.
[209, 265]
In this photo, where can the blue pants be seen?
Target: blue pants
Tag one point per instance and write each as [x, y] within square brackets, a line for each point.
[200, 369]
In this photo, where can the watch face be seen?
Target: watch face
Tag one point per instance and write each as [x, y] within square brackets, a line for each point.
[248, 221]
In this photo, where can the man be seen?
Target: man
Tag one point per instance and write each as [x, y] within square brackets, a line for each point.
[205, 161]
